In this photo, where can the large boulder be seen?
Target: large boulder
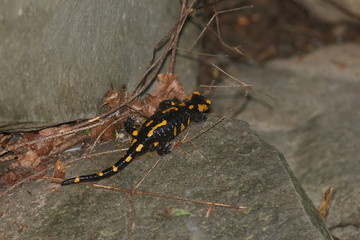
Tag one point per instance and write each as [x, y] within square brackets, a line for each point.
[58, 58]
[228, 164]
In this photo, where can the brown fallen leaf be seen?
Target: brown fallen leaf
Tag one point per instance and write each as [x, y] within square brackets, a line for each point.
[9, 177]
[28, 160]
[59, 169]
[325, 203]
[211, 210]
[168, 87]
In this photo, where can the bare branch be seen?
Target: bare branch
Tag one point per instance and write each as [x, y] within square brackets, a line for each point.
[131, 191]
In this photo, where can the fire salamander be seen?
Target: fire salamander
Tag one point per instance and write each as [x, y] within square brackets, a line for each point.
[156, 132]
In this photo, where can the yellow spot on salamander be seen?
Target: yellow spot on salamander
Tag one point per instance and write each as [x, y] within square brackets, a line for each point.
[128, 159]
[100, 174]
[196, 93]
[182, 127]
[156, 143]
[173, 103]
[175, 131]
[208, 101]
[191, 106]
[202, 107]
[183, 104]
[138, 148]
[149, 123]
[76, 180]
[188, 97]
[133, 141]
[169, 109]
[115, 169]
[135, 133]
[188, 121]
[151, 132]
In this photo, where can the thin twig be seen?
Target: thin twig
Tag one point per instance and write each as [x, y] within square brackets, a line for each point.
[3, 193]
[201, 53]
[15, 146]
[146, 175]
[131, 191]
[173, 35]
[245, 85]
[98, 137]
[207, 27]
[212, 164]
[224, 86]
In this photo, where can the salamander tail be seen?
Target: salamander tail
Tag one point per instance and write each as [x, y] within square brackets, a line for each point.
[121, 164]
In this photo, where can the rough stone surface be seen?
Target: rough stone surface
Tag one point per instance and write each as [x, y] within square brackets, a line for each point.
[330, 13]
[314, 121]
[228, 164]
[58, 58]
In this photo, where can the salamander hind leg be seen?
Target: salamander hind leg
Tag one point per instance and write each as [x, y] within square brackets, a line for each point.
[163, 149]
[168, 103]
[198, 117]
[131, 128]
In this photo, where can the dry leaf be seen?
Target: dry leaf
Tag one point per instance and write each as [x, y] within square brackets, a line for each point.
[10, 177]
[107, 135]
[325, 203]
[211, 210]
[59, 169]
[112, 99]
[168, 87]
[28, 160]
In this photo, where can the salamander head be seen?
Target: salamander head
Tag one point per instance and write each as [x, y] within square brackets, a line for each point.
[197, 102]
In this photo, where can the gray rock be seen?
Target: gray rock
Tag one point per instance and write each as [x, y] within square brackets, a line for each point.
[58, 58]
[228, 164]
[314, 121]
[335, 11]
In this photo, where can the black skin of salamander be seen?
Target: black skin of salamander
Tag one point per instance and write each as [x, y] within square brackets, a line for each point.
[176, 114]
